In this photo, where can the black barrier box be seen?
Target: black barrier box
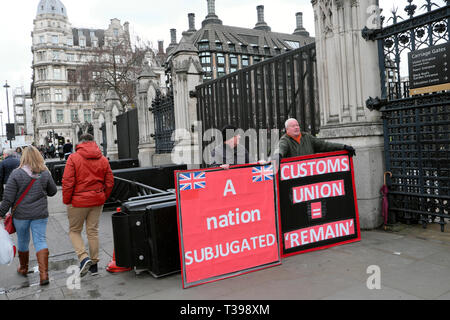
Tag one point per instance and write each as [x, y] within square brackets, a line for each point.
[140, 232]
[58, 172]
[123, 163]
[163, 227]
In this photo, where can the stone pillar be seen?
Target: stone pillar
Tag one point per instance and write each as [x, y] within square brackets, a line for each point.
[348, 74]
[111, 112]
[186, 75]
[146, 91]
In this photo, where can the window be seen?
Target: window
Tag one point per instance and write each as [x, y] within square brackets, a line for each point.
[73, 95]
[220, 64]
[233, 63]
[70, 41]
[55, 55]
[220, 59]
[82, 42]
[293, 44]
[60, 116]
[55, 39]
[220, 71]
[233, 60]
[71, 76]
[86, 95]
[46, 116]
[95, 74]
[231, 47]
[58, 95]
[44, 95]
[205, 58]
[203, 45]
[70, 57]
[42, 74]
[219, 45]
[40, 56]
[74, 115]
[87, 115]
[57, 73]
[41, 39]
[116, 32]
[245, 61]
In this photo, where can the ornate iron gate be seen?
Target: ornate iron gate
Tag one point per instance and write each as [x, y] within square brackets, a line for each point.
[416, 128]
[163, 111]
[264, 95]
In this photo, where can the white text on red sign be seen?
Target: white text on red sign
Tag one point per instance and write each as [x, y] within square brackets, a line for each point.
[319, 233]
[316, 191]
[314, 167]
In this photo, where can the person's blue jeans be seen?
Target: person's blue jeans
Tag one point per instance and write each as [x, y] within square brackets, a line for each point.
[38, 229]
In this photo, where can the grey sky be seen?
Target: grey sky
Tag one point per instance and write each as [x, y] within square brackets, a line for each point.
[151, 20]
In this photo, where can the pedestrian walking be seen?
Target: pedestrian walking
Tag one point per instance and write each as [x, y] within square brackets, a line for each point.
[18, 152]
[7, 166]
[87, 183]
[33, 183]
[61, 152]
[67, 149]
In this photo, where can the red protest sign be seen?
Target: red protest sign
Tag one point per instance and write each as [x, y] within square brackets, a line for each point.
[228, 222]
[318, 207]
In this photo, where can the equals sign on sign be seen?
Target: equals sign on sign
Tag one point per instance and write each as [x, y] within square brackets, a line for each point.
[316, 210]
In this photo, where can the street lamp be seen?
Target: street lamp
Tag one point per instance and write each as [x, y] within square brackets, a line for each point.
[6, 86]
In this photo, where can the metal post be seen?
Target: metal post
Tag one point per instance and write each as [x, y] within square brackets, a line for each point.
[6, 86]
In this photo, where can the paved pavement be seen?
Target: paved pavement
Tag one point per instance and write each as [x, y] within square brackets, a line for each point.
[413, 263]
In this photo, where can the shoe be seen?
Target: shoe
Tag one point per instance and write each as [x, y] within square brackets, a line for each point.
[84, 266]
[23, 260]
[93, 270]
[42, 258]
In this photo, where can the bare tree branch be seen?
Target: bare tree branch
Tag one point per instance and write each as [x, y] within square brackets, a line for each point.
[114, 67]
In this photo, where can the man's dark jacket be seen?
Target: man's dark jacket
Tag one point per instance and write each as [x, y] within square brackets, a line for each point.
[6, 167]
[309, 144]
[68, 148]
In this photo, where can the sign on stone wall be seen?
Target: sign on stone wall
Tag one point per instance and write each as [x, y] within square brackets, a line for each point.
[429, 69]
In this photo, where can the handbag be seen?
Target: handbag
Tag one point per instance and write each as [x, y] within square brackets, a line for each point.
[9, 225]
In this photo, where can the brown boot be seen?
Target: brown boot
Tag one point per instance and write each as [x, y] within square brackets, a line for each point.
[23, 259]
[42, 258]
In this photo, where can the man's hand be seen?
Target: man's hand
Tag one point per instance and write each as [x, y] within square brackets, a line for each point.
[350, 150]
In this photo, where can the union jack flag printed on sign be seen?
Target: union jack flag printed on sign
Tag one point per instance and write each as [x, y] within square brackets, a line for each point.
[192, 181]
[262, 173]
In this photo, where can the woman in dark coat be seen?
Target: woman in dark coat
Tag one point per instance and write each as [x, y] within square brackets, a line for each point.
[32, 211]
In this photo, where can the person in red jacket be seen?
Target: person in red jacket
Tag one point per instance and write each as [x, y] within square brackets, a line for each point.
[87, 183]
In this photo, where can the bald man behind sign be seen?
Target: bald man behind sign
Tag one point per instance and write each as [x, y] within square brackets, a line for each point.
[296, 143]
